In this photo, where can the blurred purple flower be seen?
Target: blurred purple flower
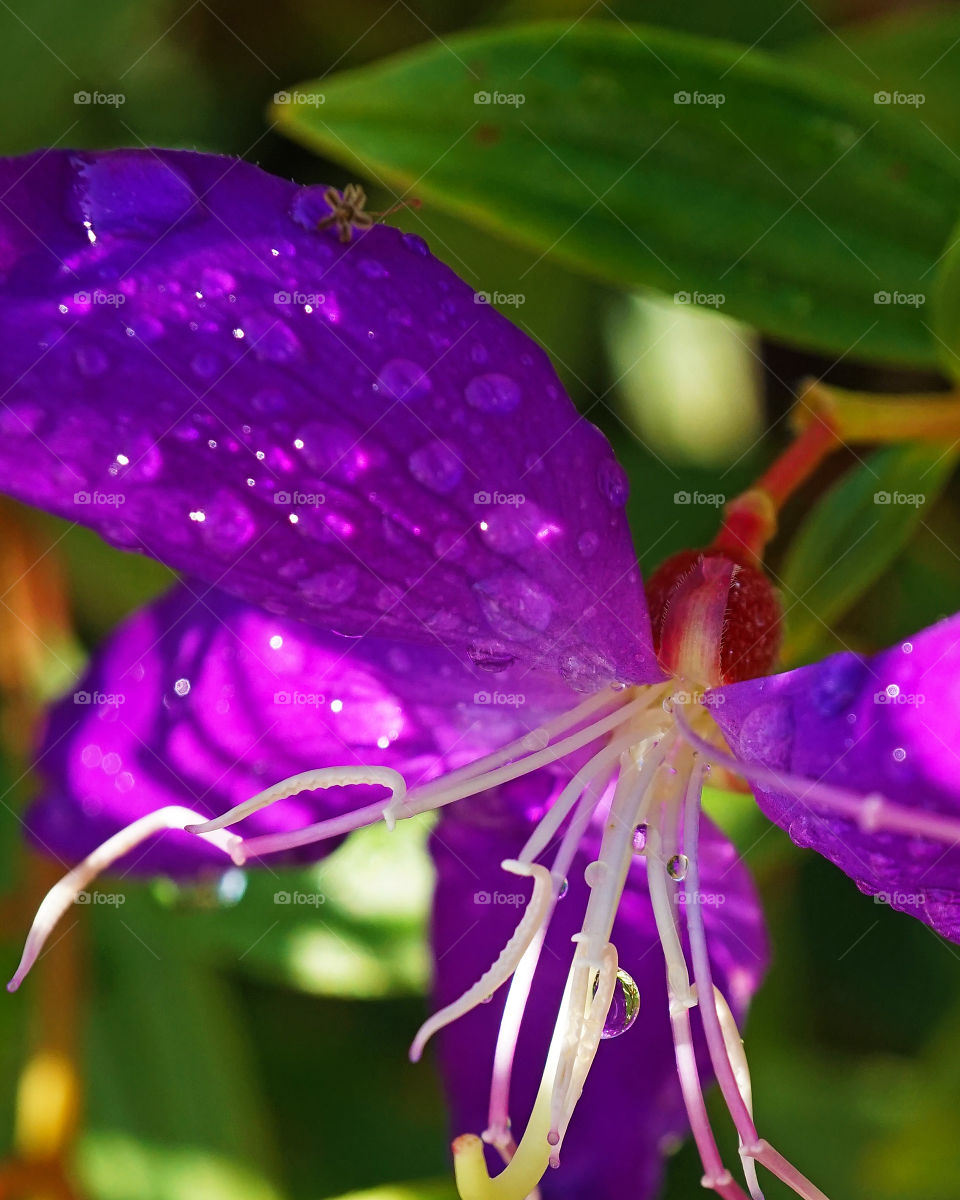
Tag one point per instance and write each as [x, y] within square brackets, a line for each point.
[405, 552]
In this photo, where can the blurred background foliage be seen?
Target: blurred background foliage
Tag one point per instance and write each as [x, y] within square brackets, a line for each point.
[209, 1042]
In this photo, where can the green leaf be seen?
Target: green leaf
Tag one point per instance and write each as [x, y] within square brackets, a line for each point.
[910, 53]
[852, 535]
[173, 1104]
[792, 203]
[353, 926]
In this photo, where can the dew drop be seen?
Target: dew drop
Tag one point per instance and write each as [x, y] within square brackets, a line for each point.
[586, 669]
[613, 483]
[588, 543]
[182, 687]
[899, 754]
[404, 380]
[490, 656]
[415, 243]
[436, 466]
[767, 735]
[677, 867]
[640, 839]
[334, 586]
[514, 605]
[624, 1006]
[494, 393]
[563, 889]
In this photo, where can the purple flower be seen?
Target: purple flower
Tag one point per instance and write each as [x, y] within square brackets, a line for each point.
[404, 552]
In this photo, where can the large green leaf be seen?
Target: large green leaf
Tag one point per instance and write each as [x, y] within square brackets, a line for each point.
[792, 203]
[852, 535]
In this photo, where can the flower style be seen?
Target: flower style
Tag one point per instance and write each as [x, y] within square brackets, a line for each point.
[409, 587]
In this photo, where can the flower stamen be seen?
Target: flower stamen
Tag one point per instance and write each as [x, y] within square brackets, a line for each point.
[507, 961]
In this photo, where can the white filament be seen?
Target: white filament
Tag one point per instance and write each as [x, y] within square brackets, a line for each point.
[507, 961]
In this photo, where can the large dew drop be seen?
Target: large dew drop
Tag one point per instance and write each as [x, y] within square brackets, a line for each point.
[624, 1007]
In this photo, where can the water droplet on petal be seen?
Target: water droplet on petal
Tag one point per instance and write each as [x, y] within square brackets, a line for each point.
[613, 483]
[436, 466]
[415, 243]
[639, 839]
[586, 669]
[490, 656]
[593, 873]
[624, 1006]
[677, 867]
[767, 734]
[404, 380]
[228, 525]
[563, 888]
[493, 393]
[899, 754]
[514, 604]
[588, 543]
[334, 586]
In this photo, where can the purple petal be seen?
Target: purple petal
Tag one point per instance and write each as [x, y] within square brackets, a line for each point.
[631, 1104]
[339, 433]
[885, 724]
[200, 699]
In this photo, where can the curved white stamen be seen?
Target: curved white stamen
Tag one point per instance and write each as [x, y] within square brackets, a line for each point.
[598, 1005]
[681, 997]
[498, 1121]
[63, 894]
[319, 779]
[627, 810]
[507, 961]
[429, 797]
